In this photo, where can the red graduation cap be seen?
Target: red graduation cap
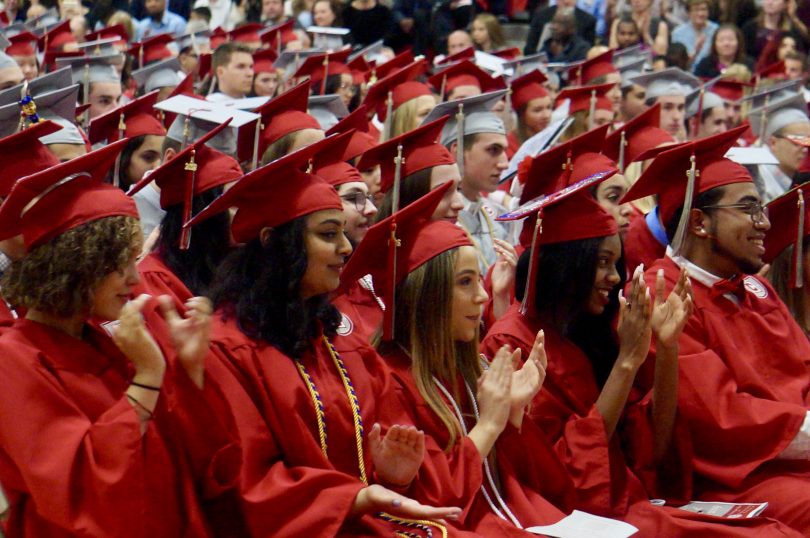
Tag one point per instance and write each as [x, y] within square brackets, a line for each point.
[466, 54]
[263, 61]
[136, 118]
[774, 71]
[116, 30]
[22, 44]
[790, 224]
[218, 37]
[246, 33]
[53, 201]
[319, 66]
[399, 61]
[361, 70]
[204, 65]
[528, 87]
[57, 37]
[193, 171]
[330, 162]
[630, 141]
[277, 37]
[586, 97]
[692, 167]
[410, 152]
[285, 114]
[357, 123]
[186, 87]
[50, 57]
[401, 86]
[274, 194]
[410, 238]
[594, 68]
[152, 49]
[465, 73]
[23, 154]
[510, 53]
[730, 90]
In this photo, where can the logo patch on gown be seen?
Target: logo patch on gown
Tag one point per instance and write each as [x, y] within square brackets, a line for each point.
[346, 325]
[755, 286]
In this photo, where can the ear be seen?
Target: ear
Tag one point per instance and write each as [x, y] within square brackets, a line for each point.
[771, 141]
[453, 147]
[264, 235]
[170, 153]
[698, 223]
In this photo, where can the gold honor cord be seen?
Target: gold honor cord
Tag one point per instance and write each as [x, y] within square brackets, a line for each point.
[424, 525]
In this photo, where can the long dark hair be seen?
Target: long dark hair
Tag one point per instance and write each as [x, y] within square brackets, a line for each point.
[126, 156]
[260, 285]
[210, 243]
[739, 58]
[565, 278]
[411, 189]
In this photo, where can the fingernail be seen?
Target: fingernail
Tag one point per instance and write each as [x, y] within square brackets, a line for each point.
[396, 503]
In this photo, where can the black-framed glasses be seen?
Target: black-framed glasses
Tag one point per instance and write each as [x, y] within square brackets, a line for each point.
[359, 199]
[755, 210]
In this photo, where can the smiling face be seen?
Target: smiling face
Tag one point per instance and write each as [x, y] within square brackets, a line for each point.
[327, 248]
[607, 277]
[725, 41]
[115, 289]
[469, 296]
[322, 13]
[608, 194]
[537, 114]
[354, 196]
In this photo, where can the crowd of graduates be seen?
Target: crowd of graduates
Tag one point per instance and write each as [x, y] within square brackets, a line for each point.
[274, 279]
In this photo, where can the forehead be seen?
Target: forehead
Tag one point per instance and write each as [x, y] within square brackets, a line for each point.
[466, 259]
[106, 88]
[672, 100]
[489, 139]
[611, 243]
[802, 128]
[239, 57]
[736, 191]
[352, 186]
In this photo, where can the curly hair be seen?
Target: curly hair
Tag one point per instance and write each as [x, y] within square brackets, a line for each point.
[60, 276]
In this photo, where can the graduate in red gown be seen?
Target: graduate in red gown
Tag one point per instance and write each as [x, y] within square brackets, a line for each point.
[101, 436]
[183, 261]
[570, 284]
[492, 463]
[744, 381]
[304, 410]
[533, 107]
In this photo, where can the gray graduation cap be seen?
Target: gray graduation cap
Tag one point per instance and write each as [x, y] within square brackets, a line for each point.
[327, 37]
[670, 81]
[163, 74]
[710, 100]
[372, 52]
[58, 106]
[6, 60]
[194, 39]
[89, 69]
[290, 61]
[246, 103]
[13, 29]
[631, 70]
[44, 22]
[630, 54]
[779, 113]
[773, 93]
[48, 82]
[196, 117]
[327, 109]
[471, 115]
[4, 42]
[99, 46]
[521, 66]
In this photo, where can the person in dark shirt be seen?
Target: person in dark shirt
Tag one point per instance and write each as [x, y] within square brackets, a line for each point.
[368, 20]
[585, 24]
[565, 45]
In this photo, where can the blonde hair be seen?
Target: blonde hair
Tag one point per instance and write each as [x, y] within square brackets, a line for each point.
[494, 29]
[125, 19]
[577, 127]
[403, 119]
[423, 329]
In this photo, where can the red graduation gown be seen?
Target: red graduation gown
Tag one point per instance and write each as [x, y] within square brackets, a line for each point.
[527, 468]
[565, 410]
[73, 461]
[361, 314]
[640, 246]
[744, 392]
[288, 487]
[157, 279]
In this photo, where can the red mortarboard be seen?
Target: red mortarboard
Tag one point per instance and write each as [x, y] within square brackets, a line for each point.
[790, 224]
[730, 90]
[774, 70]
[135, 118]
[204, 65]
[247, 33]
[595, 67]
[152, 49]
[361, 70]
[397, 62]
[319, 66]
[465, 73]
[193, 171]
[581, 96]
[23, 154]
[410, 238]
[50, 57]
[218, 37]
[361, 141]
[330, 163]
[186, 87]
[279, 35]
[57, 37]
[402, 86]
[22, 44]
[274, 194]
[634, 138]
[285, 114]
[420, 150]
[466, 54]
[669, 175]
[116, 30]
[528, 87]
[511, 53]
[53, 201]
[263, 61]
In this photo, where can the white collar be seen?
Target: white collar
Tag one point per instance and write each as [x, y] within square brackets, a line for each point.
[698, 273]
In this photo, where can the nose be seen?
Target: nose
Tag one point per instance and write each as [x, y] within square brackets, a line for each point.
[625, 210]
[613, 277]
[481, 296]
[133, 277]
[503, 162]
[344, 247]
[457, 202]
[369, 209]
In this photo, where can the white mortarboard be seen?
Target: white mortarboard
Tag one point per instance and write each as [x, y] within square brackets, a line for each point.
[773, 93]
[490, 62]
[670, 81]
[290, 61]
[54, 80]
[372, 53]
[6, 61]
[327, 109]
[248, 103]
[779, 113]
[162, 74]
[327, 37]
[476, 116]
[100, 46]
[752, 155]
[630, 54]
[236, 140]
[4, 42]
[201, 37]
[13, 29]
[693, 104]
[43, 22]
[519, 66]
[631, 70]
[89, 69]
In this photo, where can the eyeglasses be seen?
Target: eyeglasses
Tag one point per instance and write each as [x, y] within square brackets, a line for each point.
[755, 210]
[359, 199]
[799, 140]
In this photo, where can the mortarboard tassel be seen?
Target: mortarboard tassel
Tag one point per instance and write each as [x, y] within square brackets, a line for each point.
[389, 111]
[798, 250]
[185, 235]
[508, 114]
[592, 110]
[696, 125]
[259, 128]
[278, 43]
[622, 146]
[117, 169]
[763, 123]
[441, 90]
[390, 306]
[528, 289]
[680, 235]
[399, 160]
[460, 138]
[325, 74]
[140, 56]
[186, 131]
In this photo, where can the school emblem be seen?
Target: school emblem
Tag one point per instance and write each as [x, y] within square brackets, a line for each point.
[346, 325]
[755, 286]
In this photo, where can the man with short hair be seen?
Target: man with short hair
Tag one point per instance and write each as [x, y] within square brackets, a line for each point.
[232, 64]
[457, 41]
[159, 20]
[794, 65]
[584, 25]
[696, 34]
[706, 114]
[564, 44]
[670, 88]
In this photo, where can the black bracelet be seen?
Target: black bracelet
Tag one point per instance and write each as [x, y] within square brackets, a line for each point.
[147, 387]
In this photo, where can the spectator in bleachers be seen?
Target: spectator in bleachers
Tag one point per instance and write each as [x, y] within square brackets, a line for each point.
[696, 34]
[776, 49]
[368, 20]
[624, 33]
[727, 48]
[412, 18]
[159, 20]
[736, 12]
[565, 45]
[487, 33]
[302, 12]
[327, 13]
[458, 41]
[654, 30]
[776, 16]
[584, 25]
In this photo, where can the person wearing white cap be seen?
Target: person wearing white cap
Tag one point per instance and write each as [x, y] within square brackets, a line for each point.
[99, 81]
[784, 126]
[670, 88]
[10, 72]
[706, 115]
[480, 150]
